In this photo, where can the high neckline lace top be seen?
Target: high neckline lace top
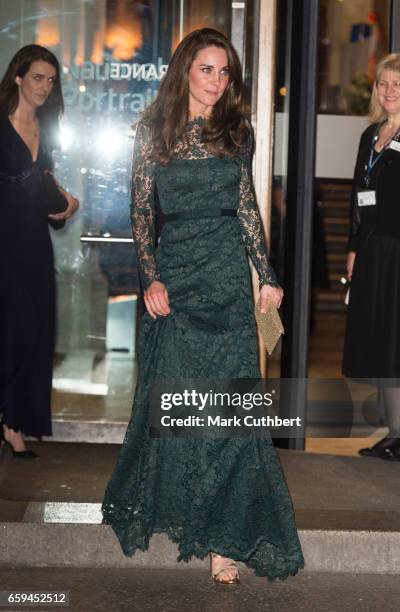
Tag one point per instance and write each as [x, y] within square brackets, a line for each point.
[226, 181]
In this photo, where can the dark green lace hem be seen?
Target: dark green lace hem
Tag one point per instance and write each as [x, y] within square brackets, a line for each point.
[265, 558]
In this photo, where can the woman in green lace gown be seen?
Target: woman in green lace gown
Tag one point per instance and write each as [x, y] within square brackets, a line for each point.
[209, 495]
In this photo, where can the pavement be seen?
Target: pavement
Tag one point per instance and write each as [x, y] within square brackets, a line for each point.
[347, 510]
[157, 590]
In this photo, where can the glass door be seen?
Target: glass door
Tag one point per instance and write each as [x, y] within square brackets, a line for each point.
[113, 54]
[353, 38]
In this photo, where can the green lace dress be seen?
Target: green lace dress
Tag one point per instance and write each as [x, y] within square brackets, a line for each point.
[226, 495]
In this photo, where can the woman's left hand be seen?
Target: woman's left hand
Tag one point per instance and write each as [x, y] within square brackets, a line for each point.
[73, 205]
[270, 294]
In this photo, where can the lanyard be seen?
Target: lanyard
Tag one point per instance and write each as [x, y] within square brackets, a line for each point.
[372, 161]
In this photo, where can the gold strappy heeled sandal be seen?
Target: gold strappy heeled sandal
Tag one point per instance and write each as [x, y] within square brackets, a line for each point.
[216, 576]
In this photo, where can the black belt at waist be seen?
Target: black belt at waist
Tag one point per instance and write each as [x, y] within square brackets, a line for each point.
[200, 213]
[22, 176]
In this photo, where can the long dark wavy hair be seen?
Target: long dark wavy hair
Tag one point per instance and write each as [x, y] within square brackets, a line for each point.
[51, 111]
[226, 130]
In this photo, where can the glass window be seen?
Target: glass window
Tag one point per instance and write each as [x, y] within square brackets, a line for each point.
[113, 55]
[353, 38]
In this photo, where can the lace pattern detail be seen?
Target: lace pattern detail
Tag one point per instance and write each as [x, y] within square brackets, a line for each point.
[142, 206]
[250, 221]
[190, 147]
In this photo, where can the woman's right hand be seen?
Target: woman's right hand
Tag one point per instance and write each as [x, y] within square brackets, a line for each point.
[351, 255]
[156, 300]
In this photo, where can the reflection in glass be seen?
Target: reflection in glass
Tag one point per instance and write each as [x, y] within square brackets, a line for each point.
[113, 55]
[353, 38]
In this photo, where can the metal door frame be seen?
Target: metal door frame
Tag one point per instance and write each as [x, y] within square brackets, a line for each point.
[395, 27]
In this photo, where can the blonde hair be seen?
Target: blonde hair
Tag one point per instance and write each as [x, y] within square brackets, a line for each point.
[377, 113]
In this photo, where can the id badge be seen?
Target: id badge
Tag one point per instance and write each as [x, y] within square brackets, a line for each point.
[395, 145]
[366, 198]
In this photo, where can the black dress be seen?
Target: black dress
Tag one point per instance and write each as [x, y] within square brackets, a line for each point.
[27, 292]
[372, 340]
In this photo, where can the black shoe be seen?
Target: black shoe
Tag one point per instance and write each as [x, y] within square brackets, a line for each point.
[387, 448]
[25, 454]
[391, 454]
[371, 452]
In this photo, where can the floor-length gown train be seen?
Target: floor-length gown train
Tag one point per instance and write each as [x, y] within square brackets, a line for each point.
[208, 494]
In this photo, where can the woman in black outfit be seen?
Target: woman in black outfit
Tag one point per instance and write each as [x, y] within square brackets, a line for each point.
[372, 342]
[30, 105]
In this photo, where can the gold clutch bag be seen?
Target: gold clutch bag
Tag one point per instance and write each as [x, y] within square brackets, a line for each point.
[270, 325]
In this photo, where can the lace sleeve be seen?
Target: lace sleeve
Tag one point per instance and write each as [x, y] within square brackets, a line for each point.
[249, 218]
[142, 206]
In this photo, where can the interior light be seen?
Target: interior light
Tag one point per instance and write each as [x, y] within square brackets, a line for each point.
[65, 137]
[109, 142]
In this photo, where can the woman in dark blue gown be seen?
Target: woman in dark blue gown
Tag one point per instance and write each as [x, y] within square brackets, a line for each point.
[30, 105]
